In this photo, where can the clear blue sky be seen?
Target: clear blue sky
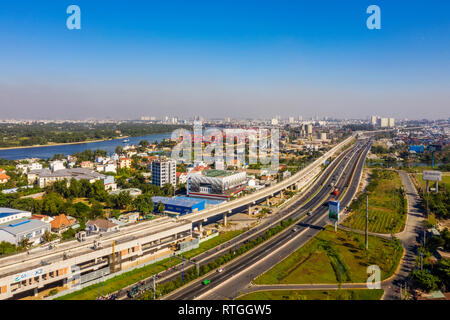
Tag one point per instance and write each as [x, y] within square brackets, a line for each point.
[224, 58]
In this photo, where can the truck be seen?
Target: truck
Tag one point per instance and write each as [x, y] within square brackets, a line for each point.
[336, 192]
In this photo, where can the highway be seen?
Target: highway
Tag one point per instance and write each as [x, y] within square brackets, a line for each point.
[301, 201]
[238, 273]
[302, 175]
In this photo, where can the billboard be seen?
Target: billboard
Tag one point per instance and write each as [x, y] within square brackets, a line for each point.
[432, 175]
[28, 274]
[416, 148]
[334, 209]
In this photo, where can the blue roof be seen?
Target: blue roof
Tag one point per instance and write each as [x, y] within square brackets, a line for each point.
[176, 201]
[6, 212]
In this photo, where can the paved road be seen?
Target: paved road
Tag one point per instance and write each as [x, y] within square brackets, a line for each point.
[302, 201]
[413, 228]
[239, 273]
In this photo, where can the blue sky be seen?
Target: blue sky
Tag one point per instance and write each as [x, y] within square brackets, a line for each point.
[224, 58]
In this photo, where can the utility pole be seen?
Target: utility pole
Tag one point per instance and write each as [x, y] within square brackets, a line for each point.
[154, 287]
[367, 222]
[182, 272]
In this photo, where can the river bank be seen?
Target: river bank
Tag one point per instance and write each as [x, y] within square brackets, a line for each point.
[48, 151]
[61, 144]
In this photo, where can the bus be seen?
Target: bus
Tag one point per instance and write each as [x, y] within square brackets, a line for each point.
[205, 282]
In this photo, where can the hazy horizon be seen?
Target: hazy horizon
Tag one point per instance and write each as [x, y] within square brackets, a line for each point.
[252, 59]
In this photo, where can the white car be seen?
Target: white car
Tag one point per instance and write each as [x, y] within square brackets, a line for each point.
[219, 270]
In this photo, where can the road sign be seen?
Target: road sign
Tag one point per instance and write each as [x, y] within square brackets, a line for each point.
[334, 209]
[429, 175]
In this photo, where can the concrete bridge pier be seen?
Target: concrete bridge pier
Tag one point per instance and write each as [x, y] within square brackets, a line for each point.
[225, 219]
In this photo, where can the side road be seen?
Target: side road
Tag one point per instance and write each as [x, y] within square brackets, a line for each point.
[408, 236]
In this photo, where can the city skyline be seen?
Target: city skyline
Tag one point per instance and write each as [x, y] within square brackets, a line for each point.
[237, 60]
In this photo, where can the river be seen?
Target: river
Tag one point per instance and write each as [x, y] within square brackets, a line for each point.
[45, 152]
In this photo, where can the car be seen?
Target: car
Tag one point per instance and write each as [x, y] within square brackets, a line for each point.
[205, 282]
[219, 270]
[295, 229]
[309, 213]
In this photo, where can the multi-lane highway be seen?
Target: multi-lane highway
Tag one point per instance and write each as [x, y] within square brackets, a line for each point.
[314, 192]
[238, 273]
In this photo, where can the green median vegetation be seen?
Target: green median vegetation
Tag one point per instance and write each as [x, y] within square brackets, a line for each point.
[357, 294]
[335, 257]
[128, 278]
[192, 274]
[387, 204]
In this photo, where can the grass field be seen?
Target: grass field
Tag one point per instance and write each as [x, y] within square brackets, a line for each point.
[360, 294]
[136, 275]
[333, 257]
[386, 204]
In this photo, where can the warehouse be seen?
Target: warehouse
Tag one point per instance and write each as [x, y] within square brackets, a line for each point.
[179, 206]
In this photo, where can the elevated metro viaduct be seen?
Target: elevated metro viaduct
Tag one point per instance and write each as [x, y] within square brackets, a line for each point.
[85, 263]
[295, 182]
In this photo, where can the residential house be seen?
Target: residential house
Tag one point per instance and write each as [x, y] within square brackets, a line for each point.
[124, 162]
[61, 223]
[100, 226]
[87, 164]
[4, 178]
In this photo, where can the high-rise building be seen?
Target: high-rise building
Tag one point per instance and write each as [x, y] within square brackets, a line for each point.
[309, 129]
[383, 122]
[164, 171]
[291, 119]
[300, 118]
[274, 121]
[391, 122]
[373, 120]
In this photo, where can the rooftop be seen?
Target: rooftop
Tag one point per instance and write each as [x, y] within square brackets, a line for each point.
[5, 212]
[22, 225]
[184, 202]
[213, 173]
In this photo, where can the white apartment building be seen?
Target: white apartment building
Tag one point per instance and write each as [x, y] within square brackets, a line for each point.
[164, 171]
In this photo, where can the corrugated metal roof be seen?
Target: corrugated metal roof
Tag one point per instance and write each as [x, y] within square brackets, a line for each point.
[176, 201]
[23, 225]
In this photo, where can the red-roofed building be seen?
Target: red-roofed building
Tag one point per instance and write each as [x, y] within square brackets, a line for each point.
[61, 223]
[4, 178]
[42, 217]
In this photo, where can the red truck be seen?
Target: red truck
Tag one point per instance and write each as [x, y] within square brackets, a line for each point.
[336, 192]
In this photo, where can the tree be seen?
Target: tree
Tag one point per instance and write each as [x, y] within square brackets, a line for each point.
[144, 143]
[96, 210]
[119, 150]
[52, 203]
[143, 203]
[424, 280]
[25, 243]
[161, 207]
[7, 248]
[47, 236]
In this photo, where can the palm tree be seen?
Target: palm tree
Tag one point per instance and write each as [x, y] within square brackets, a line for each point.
[47, 236]
[25, 243]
